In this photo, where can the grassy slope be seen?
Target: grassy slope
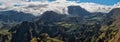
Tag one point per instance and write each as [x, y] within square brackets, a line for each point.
[116, 38]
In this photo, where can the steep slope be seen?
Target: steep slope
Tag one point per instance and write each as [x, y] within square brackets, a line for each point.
[116, 16]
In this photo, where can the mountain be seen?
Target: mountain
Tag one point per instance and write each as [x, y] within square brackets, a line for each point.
[77, 26]
[30, 30]
[10, 18]
[50, 16]
[67, 29]
[77, 10]
[116, 15]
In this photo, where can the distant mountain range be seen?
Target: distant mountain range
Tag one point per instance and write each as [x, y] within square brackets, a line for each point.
[71, 23]
[14, 16]
[11, 17]
[78, 25]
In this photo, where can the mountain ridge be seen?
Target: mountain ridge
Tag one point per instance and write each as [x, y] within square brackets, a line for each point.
[52, 26]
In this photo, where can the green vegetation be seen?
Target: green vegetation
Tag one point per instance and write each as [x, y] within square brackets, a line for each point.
[57, 28]
[5, 36]
[66, 25]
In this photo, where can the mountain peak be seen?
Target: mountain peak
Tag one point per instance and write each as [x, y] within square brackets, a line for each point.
[51, 16]
[77, 10]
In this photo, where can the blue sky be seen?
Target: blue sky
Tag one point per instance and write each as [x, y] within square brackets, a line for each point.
[105, 2]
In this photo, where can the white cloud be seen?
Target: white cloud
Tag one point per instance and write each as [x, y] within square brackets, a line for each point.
[10, 1]
[60, 6]
[61, 0]
[93, 7]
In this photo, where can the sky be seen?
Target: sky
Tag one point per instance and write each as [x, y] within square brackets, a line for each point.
[103, 2]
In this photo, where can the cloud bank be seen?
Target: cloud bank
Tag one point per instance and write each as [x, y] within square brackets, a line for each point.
[59, 6]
